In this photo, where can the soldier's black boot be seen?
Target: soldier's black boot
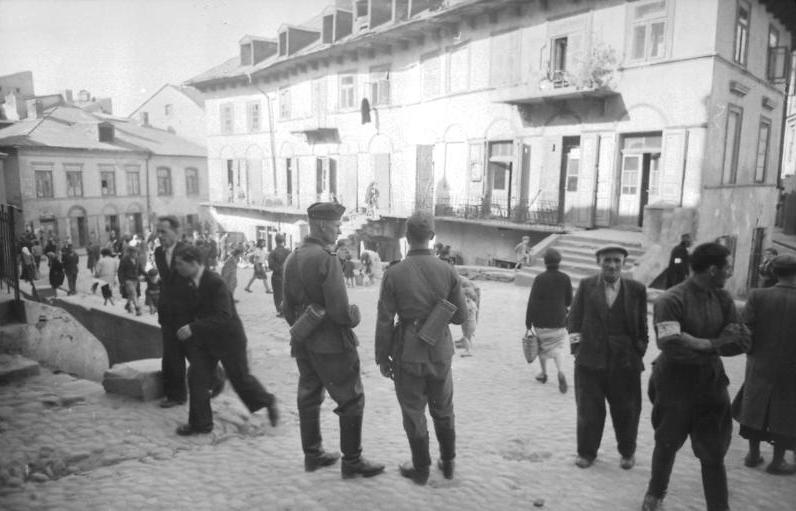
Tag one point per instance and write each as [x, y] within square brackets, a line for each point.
[417, 469]
[314, 455]
[447, 449]
[354, 464]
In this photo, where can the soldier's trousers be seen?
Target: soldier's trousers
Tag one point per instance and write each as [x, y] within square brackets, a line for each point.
[622, 389]
[338, 374]
[276, 284]
[691, 400]
[421, 384]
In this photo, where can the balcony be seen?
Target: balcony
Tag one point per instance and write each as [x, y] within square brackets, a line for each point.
[539, 213]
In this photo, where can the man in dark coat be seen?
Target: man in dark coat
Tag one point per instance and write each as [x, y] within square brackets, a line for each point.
[609, 316]
[696, 324]
[326, 357]
[411, 290]
[214, 334]
[767, 401]
[71, 262]
[276, 261]
[174, 310]
[678, 262]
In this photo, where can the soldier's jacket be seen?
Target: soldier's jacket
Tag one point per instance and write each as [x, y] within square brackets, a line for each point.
[410, 290]
[312, 274]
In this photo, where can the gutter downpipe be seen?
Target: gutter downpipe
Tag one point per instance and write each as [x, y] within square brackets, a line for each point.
[148, 192]
[271, 137]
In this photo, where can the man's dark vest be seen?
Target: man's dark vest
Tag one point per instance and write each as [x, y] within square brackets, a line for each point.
[617, 316]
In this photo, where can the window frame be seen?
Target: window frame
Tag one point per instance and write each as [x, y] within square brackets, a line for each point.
[70, 174]
[111, 190]
[648, 22]
[424, 59]
[191, 181]
[376, 82]
[129, 171]
[342, 91]
[772, 31]
[227, 114]
[161, 191]
[744, 59]
[40, 193]
[285, 109]
[765, 123]
[168, 109]
[253, 112]
[732, 178]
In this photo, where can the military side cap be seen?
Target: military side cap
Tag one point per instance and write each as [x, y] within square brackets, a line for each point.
[611, 248]
[784, 262]
[325, 211]
[420, 223]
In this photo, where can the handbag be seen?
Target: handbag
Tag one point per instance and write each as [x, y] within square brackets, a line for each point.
[530, 346]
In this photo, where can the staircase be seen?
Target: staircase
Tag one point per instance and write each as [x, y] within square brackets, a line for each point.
[353, 222]
[577, 254]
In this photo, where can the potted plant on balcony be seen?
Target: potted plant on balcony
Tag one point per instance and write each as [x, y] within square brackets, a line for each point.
[597, 70]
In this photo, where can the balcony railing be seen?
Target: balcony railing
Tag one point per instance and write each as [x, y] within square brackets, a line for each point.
[541, 212]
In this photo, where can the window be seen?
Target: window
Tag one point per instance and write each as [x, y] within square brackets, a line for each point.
[168, 110]
[476, 161]
[284, 104]
[164, 181]
[145, 118]
[559, 60]
[74, 183]
[648, 31]
[458, 69]
[133, 180]
[380, 86]
[573, 169]
[430, 75]
[227, 118]
[773, 43]
[732, 138]
[763, 136]
[631, 167]
[108, 180]
[44, 184]
[253, 111]
[742, 16]
[191, 181]
[347, 86]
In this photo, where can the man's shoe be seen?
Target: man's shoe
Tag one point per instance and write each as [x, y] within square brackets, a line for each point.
[417, 475]
[362, 467]
[751, 461]
[170, 403]
[247, 289]
[783, 468]
[447, 467]
[582, 462]
[273, 415]
[188, 430]
[542, 378]
[562, 383]
[652, 503]
[315, 461]
[628, 463]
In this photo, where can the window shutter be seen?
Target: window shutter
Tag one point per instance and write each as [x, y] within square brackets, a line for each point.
[670, 185]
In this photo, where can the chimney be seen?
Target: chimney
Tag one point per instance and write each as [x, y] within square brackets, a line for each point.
[68, 98]
[35, 109]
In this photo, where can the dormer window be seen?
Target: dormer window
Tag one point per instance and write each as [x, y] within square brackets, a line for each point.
[293, 39]
[106, 132]
[255, 49]
[246, 54]
[283, 44]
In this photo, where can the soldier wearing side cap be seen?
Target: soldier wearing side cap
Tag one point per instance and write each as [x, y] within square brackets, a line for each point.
[327, 358]
[609, 317]
[410, 290]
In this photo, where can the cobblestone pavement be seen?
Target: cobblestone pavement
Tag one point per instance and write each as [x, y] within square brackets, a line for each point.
[516, 439]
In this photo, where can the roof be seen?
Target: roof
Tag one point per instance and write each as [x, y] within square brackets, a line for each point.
[192, 93]
[69, 127]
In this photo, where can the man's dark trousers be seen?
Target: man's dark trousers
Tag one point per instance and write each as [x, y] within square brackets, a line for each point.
[622, 389]
[276, 285]
[691, 400]
[173, 362]
[202, 377]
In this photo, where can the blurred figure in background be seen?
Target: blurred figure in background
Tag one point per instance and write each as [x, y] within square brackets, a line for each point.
[766, 269]
[679, 262]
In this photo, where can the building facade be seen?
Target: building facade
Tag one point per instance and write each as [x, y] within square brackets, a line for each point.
[176, 109]
[507, 118]
[78, 177]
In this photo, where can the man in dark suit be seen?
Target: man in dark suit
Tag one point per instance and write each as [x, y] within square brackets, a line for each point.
[173, 312]
[410, 290]
[215, 333]
[326, 357]
[678, 262]
[276, 261]
[609, 318]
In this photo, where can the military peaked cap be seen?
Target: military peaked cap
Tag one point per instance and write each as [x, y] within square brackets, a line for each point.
[325, 211]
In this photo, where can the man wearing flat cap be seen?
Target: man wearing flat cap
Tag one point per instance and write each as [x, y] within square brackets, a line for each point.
[327, 356]
[412, 290]
[609, 317]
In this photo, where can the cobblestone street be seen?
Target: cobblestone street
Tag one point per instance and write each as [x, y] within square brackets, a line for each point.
[516, 438]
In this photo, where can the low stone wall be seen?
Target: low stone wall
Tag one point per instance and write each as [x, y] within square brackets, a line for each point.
[486, 273]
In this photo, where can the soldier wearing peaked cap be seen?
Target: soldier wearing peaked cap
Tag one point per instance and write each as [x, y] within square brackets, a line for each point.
[420, 366]
[326, 353]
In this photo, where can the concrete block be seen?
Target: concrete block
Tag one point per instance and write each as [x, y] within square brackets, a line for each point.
[140, 379]
[15, 367]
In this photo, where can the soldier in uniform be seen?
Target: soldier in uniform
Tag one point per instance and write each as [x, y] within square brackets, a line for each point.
[422, 372]
[327, 358]
[697, 323]
[276, 261]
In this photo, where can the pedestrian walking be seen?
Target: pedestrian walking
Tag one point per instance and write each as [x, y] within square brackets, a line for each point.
[93, 254]
[425, 294]
[678, 268]
[548, 303]
[174, 311]
[28, 265]
[152, 293]
[229, 271]
[215, 334]
[326, 355]
[71, 261]
[766, 403]
[609, 318]
[522, 252]
[472, 298]
[276, 261]
[57, 275]
[130, 270]
[696, 324]
[106, 271]
[37, 253]
[260, 260]
[766, 270]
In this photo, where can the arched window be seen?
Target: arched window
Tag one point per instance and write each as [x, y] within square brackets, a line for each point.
[191, 181]
[164, 181]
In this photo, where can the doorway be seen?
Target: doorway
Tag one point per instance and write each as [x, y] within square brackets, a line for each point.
[639, 176]
[570, 174]
[499, 177]
[756, 258]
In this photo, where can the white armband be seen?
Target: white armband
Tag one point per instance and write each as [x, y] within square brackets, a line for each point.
[667, 328]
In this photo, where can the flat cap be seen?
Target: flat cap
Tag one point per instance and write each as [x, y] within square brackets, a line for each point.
[784, 262]
[552, 256]
[325, 211]
[611, 248]
[420, 224]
